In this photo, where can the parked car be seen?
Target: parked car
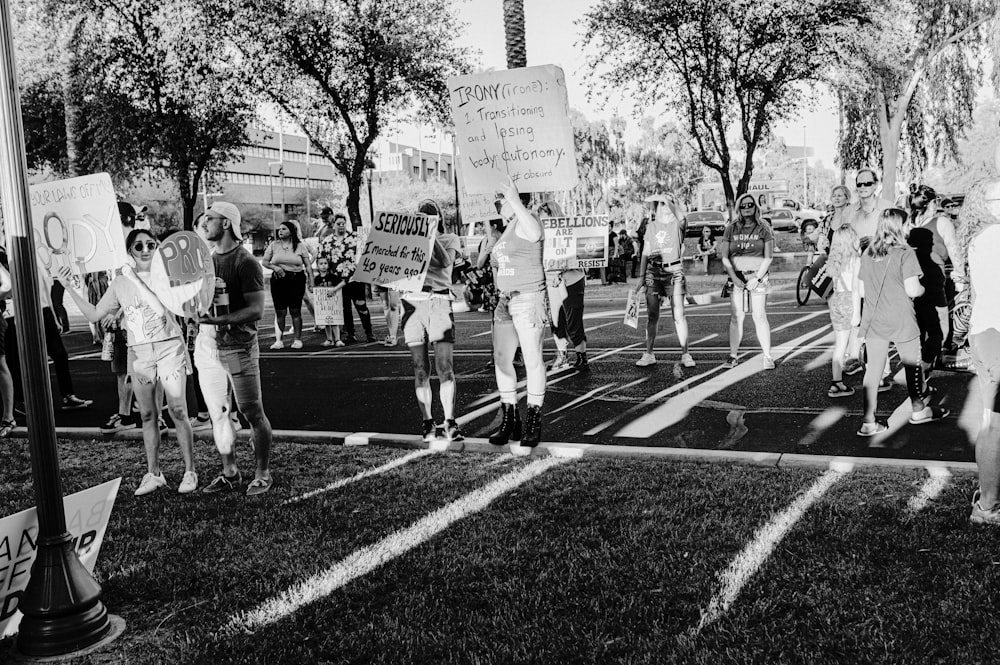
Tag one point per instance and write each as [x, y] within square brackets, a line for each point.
[781, 220]
[698, 219]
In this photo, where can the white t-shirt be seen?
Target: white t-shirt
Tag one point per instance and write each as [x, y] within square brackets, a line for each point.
[984, 276]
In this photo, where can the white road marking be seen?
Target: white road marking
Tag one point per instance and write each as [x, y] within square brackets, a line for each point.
[367, 473]
[822, 341]
[704, 339]
[367, 559]
[746, 564]
[938, 479]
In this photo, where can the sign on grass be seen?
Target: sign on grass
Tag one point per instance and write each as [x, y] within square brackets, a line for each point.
[87, 515]
[75, 224]
[575, 242]
[514, 122]
[328, 303]
[397, 251]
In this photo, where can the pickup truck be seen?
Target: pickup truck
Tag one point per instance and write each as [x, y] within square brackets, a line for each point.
[806, 219]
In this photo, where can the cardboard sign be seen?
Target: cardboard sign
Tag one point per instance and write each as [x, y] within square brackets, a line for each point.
[183, 274]
[475, 208]
[575, 242]
[75, 224]
[632, 310]
[514, 122]
[87, 515]
[328, 304]
[398, 250]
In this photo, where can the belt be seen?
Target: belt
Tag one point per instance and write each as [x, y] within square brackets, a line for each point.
[669, 265]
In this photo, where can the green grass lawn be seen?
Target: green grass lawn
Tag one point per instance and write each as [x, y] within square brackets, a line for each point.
[593, 560]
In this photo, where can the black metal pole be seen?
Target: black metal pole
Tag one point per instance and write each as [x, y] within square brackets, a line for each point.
[61, 604]
[371, 206]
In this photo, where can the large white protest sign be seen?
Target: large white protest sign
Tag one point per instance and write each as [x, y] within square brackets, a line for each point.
[575, 242]
[75, 224]
[328, 303]
[476, 208]
[87, 515]
[397, 251]
[514, 122]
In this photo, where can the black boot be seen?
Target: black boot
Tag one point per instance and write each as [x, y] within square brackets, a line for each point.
[914, 382]
[532, 426]
[510, 425]
[581, 364]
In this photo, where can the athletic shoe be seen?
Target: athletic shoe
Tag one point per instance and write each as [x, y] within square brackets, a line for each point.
[327, 342]
[980, 515]
[731, 362]
[928, 414]
[687, 360]
[200, 423]
[560, 362]
[885, 384]
[223, 483]
[452, 431]
[117, 423]
[351, 339]
[150, 483]
[339, 343]
[72, 403]
[297, 344]
[259, 486]
[839, 389]
[278, 345]
[853, 366]
[581, 364]
[430, 430]
[6, 427]
[871, 429]
[389, 341]
[768, 362]
[646, 360]
[189, 483]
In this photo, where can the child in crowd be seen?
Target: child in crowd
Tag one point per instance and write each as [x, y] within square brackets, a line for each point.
[326, 278]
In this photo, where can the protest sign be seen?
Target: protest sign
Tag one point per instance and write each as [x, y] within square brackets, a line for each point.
[514, 122]
[183, 275]
[75, 224]
[87, 515]
[397, 251]
[328, 304]
[475, 208]
[632, 310]
[575, 242]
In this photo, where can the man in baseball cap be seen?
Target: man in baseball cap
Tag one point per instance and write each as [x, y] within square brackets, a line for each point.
[231, 213]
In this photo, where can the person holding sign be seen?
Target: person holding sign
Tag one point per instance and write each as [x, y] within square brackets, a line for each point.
[565, 291]
[519, 318]
[341, 247]
[325, 279]
[746, 249]
[662, 268]
[157, 353]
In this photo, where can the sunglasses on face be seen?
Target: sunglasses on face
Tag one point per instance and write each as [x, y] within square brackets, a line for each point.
[748, 206]
[870, 183]
[150, 245]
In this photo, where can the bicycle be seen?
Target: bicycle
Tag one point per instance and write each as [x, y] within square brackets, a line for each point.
[803, 285]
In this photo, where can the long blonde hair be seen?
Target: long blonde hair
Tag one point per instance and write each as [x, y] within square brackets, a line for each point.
[974, 216]
[890, 232]
[844, 248]
[756, 209]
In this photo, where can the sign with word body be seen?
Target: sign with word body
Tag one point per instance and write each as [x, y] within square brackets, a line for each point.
[182, 274]
[514, 122]
[328, 303]
[87, 515]
[75, 224]
[575, 242]
[398, 250]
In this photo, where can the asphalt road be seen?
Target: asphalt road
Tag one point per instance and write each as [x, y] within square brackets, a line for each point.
[368, 387]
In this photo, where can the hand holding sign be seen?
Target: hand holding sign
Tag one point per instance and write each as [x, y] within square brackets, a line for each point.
[183, 275]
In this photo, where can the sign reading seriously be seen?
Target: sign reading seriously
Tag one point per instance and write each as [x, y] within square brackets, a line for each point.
[397, 251]
[514, 122]
[87, 515]
[75, 224]
[329, 305]
[575, 242]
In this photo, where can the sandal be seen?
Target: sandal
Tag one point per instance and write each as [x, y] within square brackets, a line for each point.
[871, 429]
[6, 427]
[928, 414]
[839, 389]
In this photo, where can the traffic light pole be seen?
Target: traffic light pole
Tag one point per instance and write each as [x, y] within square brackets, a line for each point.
[62, 608]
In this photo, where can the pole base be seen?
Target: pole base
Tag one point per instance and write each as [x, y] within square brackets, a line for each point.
[116, 628]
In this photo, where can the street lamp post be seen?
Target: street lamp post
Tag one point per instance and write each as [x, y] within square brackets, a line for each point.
[270, 182]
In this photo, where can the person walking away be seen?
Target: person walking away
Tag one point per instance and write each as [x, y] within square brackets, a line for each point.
[327, 279]
[157, 356]
[843, 266]
[746, 249]
[291, 265]
[662, 269]
[888, 278]
[227, 351]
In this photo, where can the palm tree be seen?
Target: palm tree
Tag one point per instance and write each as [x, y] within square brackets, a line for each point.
[513, 25]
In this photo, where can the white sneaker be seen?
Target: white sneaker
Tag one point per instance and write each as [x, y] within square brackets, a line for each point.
[646, 360]
[199, 424]
[687, 360]
[189, 483]
[327, 342]
[297, 344]
[150, 483]
[560, 362]
[278, 346]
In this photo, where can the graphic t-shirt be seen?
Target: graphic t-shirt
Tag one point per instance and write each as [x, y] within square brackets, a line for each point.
[888, 312]
[518, 263]
[665, 241]
[746, 243]
[241, 274]
[984, 278]
[141, 322]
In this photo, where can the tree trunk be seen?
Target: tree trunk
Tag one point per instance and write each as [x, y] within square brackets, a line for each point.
[354, 200]
[71, 99]
[513, 24]
[889, 134]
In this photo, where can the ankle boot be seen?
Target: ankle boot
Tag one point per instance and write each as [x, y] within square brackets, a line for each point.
[532, 426]
[581, 364]
[510, 425]
[914, 382]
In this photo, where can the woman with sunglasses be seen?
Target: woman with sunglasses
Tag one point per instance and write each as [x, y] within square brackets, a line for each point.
[156, 353]
[746, 250]
[519, 318]
[889, 278]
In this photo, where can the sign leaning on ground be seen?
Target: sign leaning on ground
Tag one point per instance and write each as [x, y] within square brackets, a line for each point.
[75, 224]
[575, 242]
[397, 251]
[514, 122]
[87, 515]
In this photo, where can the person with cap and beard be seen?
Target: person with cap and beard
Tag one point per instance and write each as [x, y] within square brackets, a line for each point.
[227, 351]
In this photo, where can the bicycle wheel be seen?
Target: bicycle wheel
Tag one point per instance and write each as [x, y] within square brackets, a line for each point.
[803, 287]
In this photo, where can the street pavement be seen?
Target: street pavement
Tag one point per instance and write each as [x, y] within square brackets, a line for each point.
[368, 387]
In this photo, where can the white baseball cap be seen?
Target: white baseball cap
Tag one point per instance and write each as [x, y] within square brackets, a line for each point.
[230, 212]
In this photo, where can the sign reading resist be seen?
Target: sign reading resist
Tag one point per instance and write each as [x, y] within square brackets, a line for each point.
[516, 122]
[397, 251]
[575, 242]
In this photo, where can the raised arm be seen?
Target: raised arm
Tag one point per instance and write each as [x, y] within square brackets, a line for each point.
[527, 227]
